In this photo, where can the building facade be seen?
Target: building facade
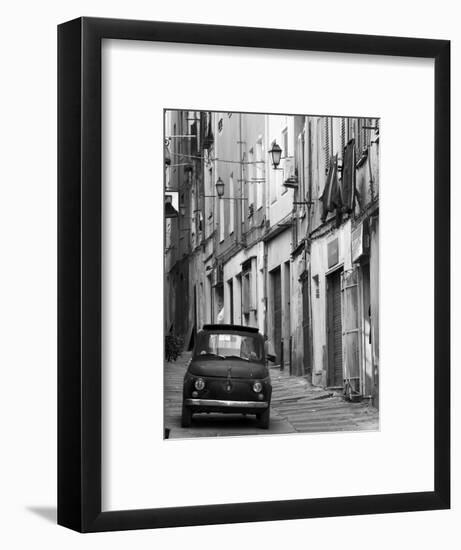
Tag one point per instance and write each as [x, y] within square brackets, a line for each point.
[291, 248]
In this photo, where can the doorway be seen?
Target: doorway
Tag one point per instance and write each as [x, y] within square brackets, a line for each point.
[334, 330]
[230, 284]
[307, 363]
[277, 313]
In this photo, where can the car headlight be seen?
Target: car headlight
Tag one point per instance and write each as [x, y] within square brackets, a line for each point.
[257, 387]
[199, 384]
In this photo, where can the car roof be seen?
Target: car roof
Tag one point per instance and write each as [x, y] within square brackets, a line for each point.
[227, 328]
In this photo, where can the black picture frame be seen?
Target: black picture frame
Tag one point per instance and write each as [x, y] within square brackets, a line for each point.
[79, 274]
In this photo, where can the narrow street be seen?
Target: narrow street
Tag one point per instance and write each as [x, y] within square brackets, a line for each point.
[296, 406]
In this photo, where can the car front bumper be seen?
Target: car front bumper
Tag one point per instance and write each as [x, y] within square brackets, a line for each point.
[218, 404]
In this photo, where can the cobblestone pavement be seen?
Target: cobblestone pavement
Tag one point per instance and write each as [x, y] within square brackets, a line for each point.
[296, 406]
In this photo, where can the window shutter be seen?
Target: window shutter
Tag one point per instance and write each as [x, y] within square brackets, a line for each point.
[343, 136]
[231, 204]
[326, 159]
[246, 294]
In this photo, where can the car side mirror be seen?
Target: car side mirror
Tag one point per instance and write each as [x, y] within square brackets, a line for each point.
[270, 357]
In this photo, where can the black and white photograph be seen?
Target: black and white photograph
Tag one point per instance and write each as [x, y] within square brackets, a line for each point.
[271, 273]
[211, 337]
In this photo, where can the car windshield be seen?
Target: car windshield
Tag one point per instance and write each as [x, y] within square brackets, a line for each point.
[223, 345]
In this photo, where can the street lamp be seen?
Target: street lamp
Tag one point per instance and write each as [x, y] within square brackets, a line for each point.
[220, 187]
[220, 193]
[276, 154]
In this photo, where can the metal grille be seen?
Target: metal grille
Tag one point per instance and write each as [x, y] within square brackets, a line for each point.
[351, 330]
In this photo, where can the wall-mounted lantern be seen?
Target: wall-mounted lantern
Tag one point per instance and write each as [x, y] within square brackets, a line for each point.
[276, 154]
[220, 187]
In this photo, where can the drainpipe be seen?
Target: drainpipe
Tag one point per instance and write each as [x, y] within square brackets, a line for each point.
[307, 250]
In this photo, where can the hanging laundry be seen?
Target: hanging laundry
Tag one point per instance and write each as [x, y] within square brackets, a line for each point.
[331, 196]
[334, 193]
[208, 138]
[348, 178]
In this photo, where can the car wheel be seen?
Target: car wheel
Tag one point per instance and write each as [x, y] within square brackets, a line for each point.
[264, 419]
[186, 417]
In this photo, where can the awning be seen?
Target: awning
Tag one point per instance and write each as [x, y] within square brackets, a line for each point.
[170, 211]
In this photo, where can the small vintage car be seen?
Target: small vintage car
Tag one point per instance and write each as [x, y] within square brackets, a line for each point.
[228, 373]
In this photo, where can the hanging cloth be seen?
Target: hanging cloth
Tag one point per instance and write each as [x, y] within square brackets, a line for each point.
[331, 196]
[208, 137]
[348, 178]
[334, 191]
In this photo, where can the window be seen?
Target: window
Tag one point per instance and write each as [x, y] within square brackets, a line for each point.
[247, 348]
[315, 278]
[209, 208]
[238, 299]
[343, 135]
[301, 166]
[285, 151]
[246, 292]
[231, 204]
[335, 136]
[221, 219]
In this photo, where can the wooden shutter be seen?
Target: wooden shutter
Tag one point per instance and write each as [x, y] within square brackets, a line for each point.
[246, 294]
